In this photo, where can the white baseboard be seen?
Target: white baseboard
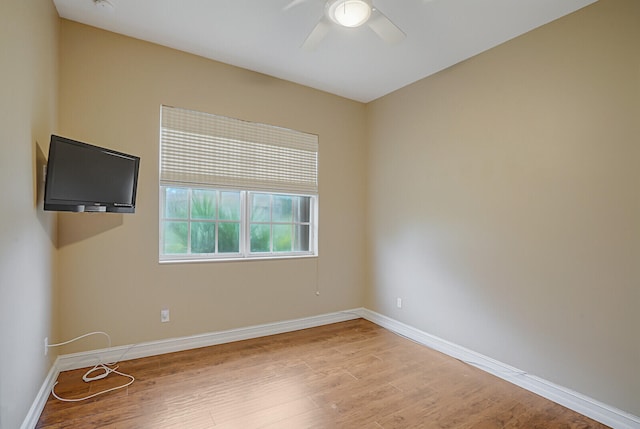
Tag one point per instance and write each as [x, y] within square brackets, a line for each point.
[578, 402]
[153, 348]
[41, 399]
[582, 404]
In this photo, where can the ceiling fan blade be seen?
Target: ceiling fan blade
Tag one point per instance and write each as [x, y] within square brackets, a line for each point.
[317, 34]
[383, 27]
[293, 4]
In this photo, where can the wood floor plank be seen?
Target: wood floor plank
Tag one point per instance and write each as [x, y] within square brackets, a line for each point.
[353, 374]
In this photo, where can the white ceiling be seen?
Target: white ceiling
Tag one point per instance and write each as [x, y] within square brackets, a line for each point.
[265, 36]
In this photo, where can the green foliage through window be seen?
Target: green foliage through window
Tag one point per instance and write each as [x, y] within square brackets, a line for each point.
[278, 222]
[212, 221]
[208, 223]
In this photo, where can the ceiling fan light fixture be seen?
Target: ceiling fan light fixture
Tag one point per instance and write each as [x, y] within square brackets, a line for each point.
[349, 13]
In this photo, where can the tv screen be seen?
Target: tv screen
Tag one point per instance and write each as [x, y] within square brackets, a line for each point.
[83, 177]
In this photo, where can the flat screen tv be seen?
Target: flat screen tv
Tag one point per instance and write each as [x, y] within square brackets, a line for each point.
[85, 178]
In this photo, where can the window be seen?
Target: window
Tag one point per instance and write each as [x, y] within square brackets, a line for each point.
[231, 189]
[200, 221]
[279, 223]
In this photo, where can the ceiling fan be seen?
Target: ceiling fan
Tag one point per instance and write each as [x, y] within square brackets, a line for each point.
[350, 13]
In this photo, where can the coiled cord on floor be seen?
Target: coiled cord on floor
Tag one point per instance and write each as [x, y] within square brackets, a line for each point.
[102, 369]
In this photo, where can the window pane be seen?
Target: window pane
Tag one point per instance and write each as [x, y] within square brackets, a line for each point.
[301, 238]
[228, 237]
[302, 209]
[174, 237]
[261, 207]
[282, 238]
[229, 206]
[282, 208]
[260, 238]
[203, 204]
[203, 237]
[176, 203]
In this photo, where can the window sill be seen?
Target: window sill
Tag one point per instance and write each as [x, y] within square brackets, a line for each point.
[234, 259]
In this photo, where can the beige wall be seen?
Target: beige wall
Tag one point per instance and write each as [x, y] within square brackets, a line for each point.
[111, 89]
[505, 204]
[28, 91]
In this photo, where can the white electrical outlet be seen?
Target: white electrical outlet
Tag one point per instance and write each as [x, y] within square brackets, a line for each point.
[46, 345]
[399, 302]
[164, 315]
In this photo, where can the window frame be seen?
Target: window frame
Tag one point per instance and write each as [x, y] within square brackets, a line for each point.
[245, 253]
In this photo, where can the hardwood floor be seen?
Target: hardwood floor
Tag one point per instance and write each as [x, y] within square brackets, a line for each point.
[353, 374]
